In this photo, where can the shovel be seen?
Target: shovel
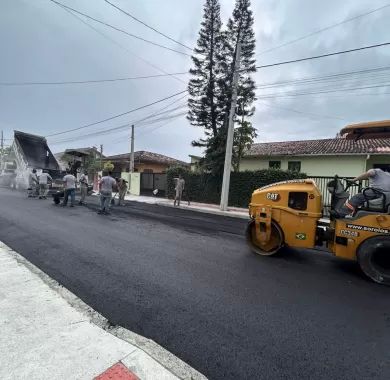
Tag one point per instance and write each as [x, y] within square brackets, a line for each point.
[113, 199]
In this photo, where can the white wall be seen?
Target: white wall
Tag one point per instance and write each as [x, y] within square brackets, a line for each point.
[328, 166]
[378, 159]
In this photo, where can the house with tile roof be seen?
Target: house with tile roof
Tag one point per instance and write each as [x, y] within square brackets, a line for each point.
[144, 162]
[325, 157]
[69, 156]
[151, 167]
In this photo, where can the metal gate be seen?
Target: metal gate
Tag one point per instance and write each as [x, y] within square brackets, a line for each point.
[153, 181]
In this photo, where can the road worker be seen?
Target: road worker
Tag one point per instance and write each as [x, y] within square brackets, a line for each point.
[33, 184]
[44, 179]
[179, 188]
[122, 190]
[83, 187]
[378, 180]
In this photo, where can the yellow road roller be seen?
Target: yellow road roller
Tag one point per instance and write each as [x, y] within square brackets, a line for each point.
[290, 214]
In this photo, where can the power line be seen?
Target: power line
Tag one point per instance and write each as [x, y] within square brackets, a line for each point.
[148, 26]
[167, 117]
[154, 129]
[123, 136]
[118, 115]
[125, 126]
[348, 75]
[163, 116]
[120, 45]
[160, 111]
[119, 128]
[342, 81]
[87, 81]
[320, 56]
[118, 29]
[92, 134]
[292, 94]
[324, 29]
[184, 72]
[329, 95]
[302, 112]
[264, 85]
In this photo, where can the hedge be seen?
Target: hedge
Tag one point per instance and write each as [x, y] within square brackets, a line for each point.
[206, 188]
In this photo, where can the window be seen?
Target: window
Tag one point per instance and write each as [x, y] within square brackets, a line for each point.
[294, 166]
[297, 200]
[274, 164]
[384, 167]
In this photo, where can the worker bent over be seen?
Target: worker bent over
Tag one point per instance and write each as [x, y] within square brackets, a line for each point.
[122, 189]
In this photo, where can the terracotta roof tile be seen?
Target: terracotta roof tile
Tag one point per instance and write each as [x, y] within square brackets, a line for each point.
[144, 156]
[320, 147]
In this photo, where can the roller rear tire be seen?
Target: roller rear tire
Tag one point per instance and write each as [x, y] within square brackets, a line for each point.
[270, 248]
[374, 258]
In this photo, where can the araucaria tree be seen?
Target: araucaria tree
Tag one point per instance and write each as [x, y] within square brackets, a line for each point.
[210, 88]
[204, 91]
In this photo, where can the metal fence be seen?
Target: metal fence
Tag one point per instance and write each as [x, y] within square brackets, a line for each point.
[322, 183]
[154, 181]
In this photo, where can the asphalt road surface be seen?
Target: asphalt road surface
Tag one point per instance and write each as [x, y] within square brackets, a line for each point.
[188, 281]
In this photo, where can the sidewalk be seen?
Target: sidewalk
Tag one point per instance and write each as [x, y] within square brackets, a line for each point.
[48, 333]
[234, 212]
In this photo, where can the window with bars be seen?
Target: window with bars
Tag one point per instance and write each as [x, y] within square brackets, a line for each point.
[294, 166]
[274, 164]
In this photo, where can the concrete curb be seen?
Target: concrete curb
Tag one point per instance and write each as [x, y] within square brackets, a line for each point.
[205, 210]
[169, 361]
[232, 214]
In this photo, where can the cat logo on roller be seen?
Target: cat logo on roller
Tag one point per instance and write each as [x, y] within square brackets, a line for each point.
[273, 197]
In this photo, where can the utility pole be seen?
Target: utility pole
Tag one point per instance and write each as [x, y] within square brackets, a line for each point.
[2, 150]
[229, 141]
[101, 156]
[131, 168]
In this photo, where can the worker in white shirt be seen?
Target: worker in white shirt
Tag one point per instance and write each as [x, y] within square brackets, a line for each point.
[379, 182]
[179, 188]
[107, 185]
[69, 188]
[83, 187]
[33, 184]
[44, 179]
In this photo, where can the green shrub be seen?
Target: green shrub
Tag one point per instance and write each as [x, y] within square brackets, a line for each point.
[206, 188]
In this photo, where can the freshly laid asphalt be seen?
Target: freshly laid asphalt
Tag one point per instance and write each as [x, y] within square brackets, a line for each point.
[188, 281]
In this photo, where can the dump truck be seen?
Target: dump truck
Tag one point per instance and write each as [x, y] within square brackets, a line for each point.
[29, 152]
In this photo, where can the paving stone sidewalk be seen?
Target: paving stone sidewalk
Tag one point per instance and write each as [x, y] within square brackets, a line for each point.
[43, 336]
